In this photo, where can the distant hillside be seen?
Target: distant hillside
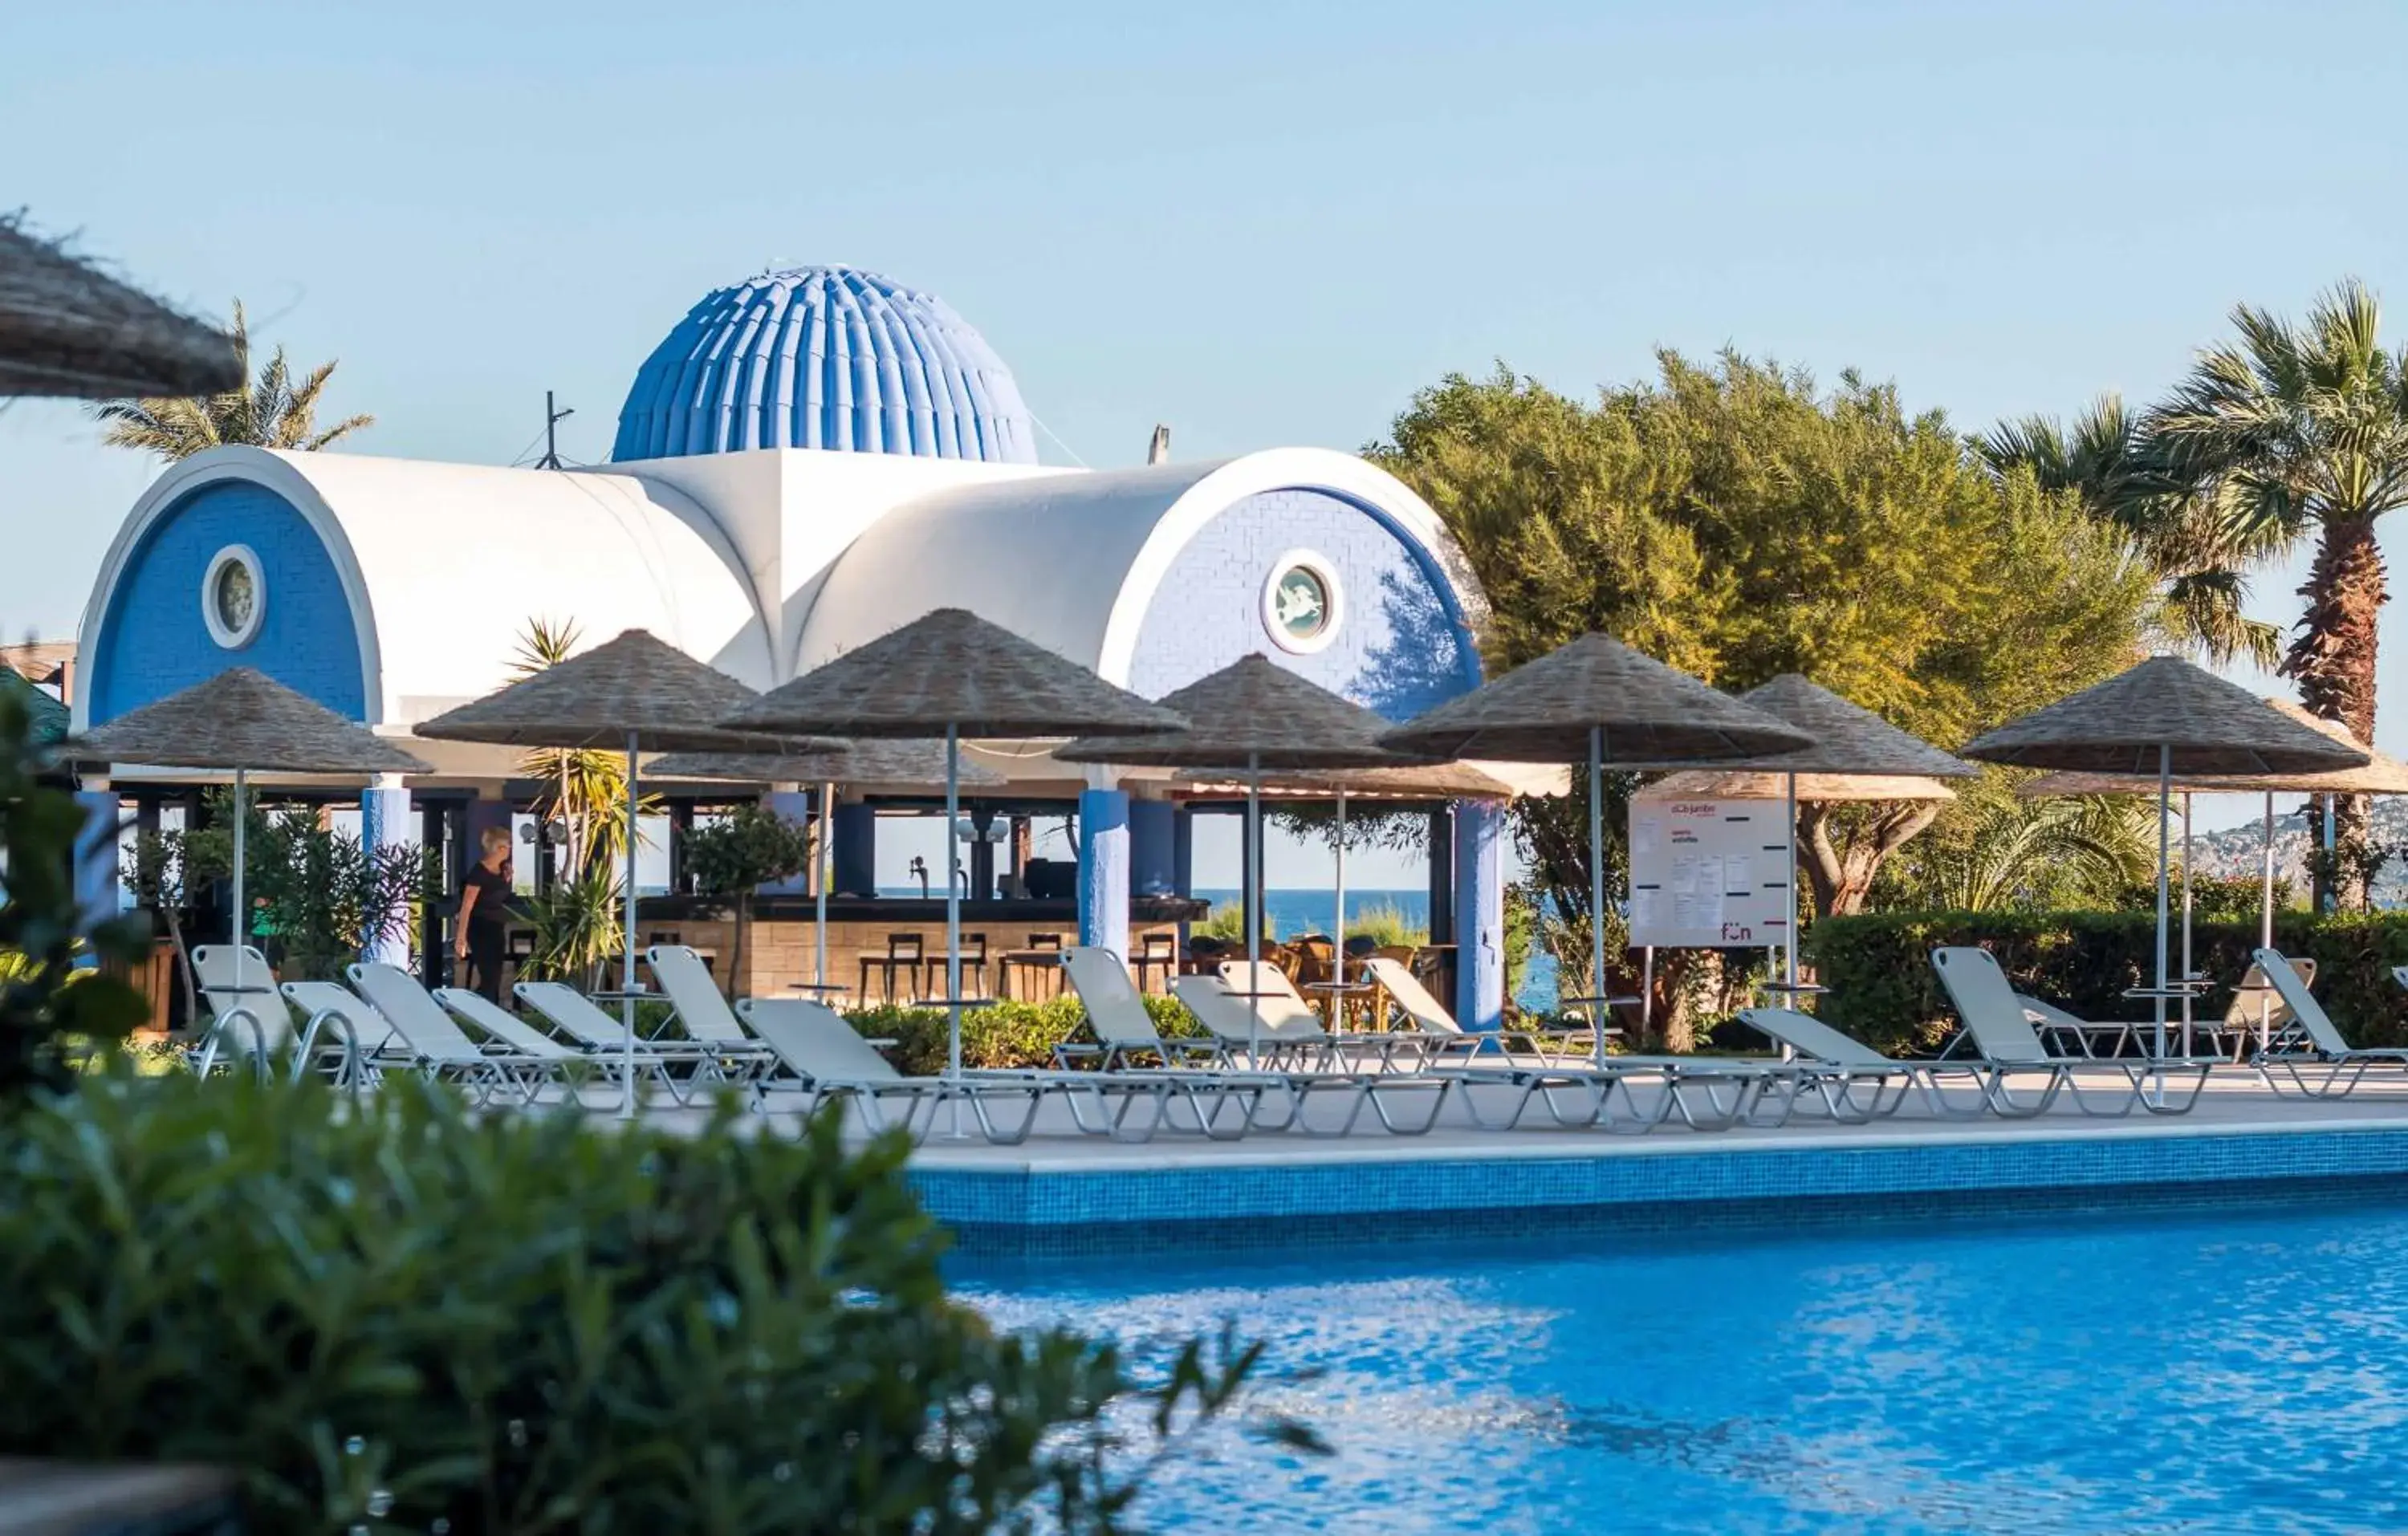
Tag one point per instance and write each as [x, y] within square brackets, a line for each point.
[2237, 849]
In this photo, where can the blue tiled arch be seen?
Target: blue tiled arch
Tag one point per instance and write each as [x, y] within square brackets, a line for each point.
[152, 640]
[1403, 643]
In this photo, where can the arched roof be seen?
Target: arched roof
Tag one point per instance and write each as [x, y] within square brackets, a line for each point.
[829, 357]
[1074, 561]
[443, 565]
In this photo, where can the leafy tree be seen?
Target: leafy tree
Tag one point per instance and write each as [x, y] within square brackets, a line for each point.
[326, 896]
[273, 412]
[2299, 429]
[1738, 523]
[2199, 554]
[749, 847]
[2065, 854]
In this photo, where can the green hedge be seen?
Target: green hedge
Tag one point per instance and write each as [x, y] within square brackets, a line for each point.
[1883, 991]
[397, 1314]
[1009, 1034]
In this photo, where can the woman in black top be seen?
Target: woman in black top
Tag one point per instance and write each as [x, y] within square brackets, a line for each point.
[476, 939]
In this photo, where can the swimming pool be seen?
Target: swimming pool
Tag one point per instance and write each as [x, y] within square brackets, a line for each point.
[2230, 1372]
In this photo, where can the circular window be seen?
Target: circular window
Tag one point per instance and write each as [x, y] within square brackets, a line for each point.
[1301, 602]
[234, 597]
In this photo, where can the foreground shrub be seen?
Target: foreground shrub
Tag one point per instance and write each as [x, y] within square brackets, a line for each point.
[395, 1315]
[1883, 991]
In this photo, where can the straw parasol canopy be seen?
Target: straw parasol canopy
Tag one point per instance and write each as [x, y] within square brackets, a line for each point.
[1812, 788]
[2382, 775]
[1849, 738]
[950, 668]
[1545, 711]
[1254, 715]
[1433, 782]
[636, 684]
[67, 328]
[242, 719]
[899, 762]
[2205, 727]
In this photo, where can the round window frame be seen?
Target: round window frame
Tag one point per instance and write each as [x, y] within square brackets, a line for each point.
[1321, 571]
[233, 638]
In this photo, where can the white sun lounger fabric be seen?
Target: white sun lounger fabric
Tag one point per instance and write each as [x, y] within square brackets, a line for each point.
[2344, 1066]
[434, 1039]
[835, 1063]
[679, 1067]
[2003, 1035]
[1117, 1017]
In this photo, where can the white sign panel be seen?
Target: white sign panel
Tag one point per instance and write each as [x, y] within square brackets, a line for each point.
[1708, 874]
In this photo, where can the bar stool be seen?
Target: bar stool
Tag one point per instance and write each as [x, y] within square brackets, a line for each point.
[903, 953]
[1155, 952]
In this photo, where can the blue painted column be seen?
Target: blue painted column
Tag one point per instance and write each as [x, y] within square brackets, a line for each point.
[1104, 869]
[853, 844]
[1154, 848]
[96, 887]
[1479, 915]
[795, 805]
[1183, 851]
[385, 822]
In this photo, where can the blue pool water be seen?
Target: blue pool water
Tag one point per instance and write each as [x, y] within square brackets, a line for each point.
[2237, 1372]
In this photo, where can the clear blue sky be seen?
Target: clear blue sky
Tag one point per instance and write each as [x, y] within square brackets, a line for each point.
[1261, 223]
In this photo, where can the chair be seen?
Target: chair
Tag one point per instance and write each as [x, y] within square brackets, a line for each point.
[2005, 1038]
[1404, 990]
[905, 952]
[2258, 1011]
[1155, 952]
[436, 1045]
[1818, 1042]
[973, 952]
[677, 1066]
[1042, 954]
[1281, 1014]
[833, 1062]
[259, 1023]
[1282, 1030]
[2345, 1066]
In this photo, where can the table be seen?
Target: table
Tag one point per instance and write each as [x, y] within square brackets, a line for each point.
[1338, 992]
[1027, 959]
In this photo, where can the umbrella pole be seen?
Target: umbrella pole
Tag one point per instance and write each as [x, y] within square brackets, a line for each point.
[1252, 913]
[241, 915]
[2187, 1021]
[2266, 923]
[2164, 818]
[953, 921]
[1789, 883]
[1339, 960]
[1596, 891]
[627, 980]
[819, 890]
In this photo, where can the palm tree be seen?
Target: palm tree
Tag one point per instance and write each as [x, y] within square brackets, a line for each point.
[2192, 544]
[2290, 428]
[588, 791]
[272, 412]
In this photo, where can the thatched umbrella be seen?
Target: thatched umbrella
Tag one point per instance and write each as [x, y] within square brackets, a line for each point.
[953, 674]
[1254, 715]
[67, 328]
[915, 763]
[1596, 700]
[2167, 717]
[1430, 781]
[1849, 739]
[2382, 775]
[621, 695]
[242, 720]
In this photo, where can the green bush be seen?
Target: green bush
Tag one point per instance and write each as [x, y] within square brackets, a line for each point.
[1386, 925]
[1009, 1034]
[395, 1315]
[1883, 991]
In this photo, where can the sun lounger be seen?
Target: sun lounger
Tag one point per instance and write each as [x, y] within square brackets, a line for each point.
[2319, 1044]
[1274, 1018]
[1629, 1095]
[2004, 1039]
[679, 1067]
[1125, 1033]
[1191, 1074]
[833, 1063]
[431, 1037]
[1448, 1039]
[1293, 1052]
[255, 1024]
[1817, 1042]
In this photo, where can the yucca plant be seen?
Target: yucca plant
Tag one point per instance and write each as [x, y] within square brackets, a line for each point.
[586, 790]
[577, 925]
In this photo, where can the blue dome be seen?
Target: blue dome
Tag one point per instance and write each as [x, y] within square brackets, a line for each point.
[825, 357]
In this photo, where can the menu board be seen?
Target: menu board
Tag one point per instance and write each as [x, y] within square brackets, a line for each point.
[1708, 874]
